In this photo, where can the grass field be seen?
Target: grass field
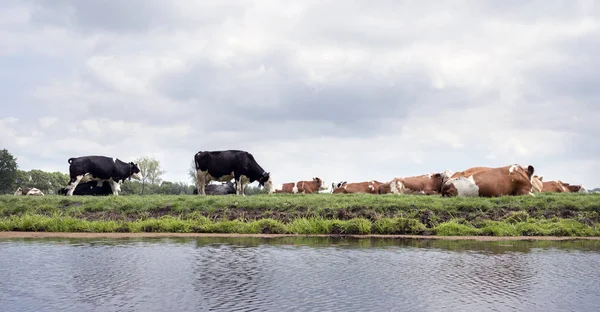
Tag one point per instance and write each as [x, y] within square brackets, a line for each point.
[542, 215]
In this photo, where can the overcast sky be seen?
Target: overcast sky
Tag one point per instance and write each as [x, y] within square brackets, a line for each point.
[343, 90]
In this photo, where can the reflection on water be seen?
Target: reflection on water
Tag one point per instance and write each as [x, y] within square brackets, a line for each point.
[297, 274]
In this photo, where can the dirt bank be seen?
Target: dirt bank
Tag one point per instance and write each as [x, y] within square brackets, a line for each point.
[8, 235]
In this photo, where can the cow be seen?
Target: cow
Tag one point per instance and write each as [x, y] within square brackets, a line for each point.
[508, 180]
[100, 169]
[289, 188]
[28, 191]
[90, 188]
[427, 184]
[573, 188]
[309, 187]
[218, 189]
[369, 187]
[230, 164]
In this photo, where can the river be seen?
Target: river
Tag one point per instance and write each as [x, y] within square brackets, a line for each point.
[297, 274]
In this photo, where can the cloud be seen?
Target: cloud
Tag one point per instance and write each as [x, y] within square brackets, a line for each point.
[341, 90]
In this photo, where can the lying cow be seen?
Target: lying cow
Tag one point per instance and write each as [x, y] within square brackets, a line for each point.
[230, 164]
[100, 169]
[557, 186]
[288, 188]
[501, 181]
[427, 184]
[218, 189]
[574, 188]
[89, 188]
[309, 187]
[28, 191]
[540, 186]
[369, 187]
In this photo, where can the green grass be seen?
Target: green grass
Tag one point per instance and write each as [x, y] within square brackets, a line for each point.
[544, 214]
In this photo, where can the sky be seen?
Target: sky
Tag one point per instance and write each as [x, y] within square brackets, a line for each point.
[342, 90]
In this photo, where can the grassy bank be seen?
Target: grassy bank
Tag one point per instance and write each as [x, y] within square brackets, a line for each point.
[543, 215]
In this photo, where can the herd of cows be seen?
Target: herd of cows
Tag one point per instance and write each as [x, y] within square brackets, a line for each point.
[101, 175]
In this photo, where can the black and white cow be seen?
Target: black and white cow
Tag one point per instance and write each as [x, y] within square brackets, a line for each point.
[28, 191]
[100, 169]
[230, 164]
[218, 189]
[89, 188]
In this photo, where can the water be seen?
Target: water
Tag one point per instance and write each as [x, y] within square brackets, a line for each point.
[297, 274]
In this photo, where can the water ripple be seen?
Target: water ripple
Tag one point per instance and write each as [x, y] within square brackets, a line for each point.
[187, 275]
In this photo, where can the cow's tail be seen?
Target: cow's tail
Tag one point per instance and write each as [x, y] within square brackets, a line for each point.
[71, 160]
[196, 161]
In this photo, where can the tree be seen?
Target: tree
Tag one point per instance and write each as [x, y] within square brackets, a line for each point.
[149, 170]
[8, 171]
[192, 173]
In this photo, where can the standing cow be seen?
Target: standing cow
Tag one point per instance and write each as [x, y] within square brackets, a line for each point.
[230, 164]
[100, 169]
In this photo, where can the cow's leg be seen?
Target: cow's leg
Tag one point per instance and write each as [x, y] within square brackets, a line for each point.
[201, 182]
[114, 187]
[73, 184]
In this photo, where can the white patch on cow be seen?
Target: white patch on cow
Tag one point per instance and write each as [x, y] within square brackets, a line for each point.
[447, 175]
[583, 190]
[428, 175]
[35, 192]
[466, 187]
[323, 186]
[19, 191]
[295, 189]
[396, 187]
[136, 176]
[279, 187]
[114, 160]
[513, 168]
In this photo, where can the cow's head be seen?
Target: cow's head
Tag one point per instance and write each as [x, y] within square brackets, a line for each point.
[134, 171]
[265, 180]
[320, 184]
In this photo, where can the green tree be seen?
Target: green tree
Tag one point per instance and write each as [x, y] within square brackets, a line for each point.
[8, 171]
[192, 173]
[149, 170]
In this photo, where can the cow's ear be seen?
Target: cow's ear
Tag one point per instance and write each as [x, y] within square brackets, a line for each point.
[541, 178]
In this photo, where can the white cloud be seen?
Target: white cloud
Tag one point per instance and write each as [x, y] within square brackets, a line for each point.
[342, 90]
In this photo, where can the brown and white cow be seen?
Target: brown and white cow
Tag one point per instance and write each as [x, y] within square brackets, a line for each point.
[573, 188]
[427, 184]
[508, 180]
[540, 186]
[287, 188]
[369, 187]
[29, 191]
[309, 187]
